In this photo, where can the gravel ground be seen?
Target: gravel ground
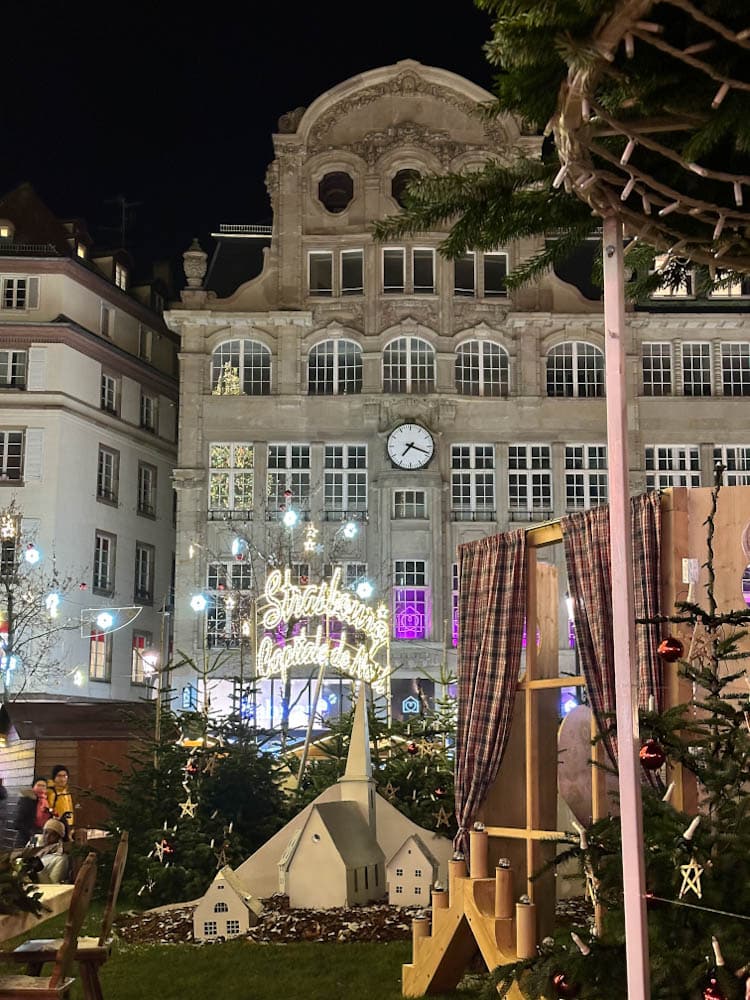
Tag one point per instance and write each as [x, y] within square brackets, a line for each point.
[278, 924]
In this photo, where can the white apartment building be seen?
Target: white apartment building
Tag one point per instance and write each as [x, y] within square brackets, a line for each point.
[411, 395]
[88, 398]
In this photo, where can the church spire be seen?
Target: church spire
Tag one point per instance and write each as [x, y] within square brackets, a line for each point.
[358, 761]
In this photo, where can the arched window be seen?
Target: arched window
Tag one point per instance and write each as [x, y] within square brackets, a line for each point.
[408, 366]
[401, 181]
[221, 907]
[482, 369]
[334, 368]
[575, 369]
[335, 191]
[241, 366]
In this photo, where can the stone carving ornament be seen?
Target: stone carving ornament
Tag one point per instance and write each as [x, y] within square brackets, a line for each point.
[374, 144]
[195, 263]
[405, 83]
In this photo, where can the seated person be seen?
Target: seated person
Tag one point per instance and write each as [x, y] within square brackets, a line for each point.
[55, 863]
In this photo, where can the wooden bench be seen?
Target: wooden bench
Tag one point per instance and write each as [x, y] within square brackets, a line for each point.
[91, 953]
[57, 986]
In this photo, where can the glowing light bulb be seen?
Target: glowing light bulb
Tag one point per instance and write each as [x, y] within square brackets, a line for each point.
[32, 554]
[198, 602]
[290, 518]
[52, 604]
[350, 529]
[364, 589]
[78, 678]
[104, 620]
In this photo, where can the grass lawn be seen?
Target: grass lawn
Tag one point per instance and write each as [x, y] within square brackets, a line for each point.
[241, 970]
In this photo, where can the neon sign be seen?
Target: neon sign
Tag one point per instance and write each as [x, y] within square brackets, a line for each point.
[285, 601]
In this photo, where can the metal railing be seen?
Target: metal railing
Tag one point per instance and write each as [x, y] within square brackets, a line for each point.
[537, 514]
[230, 514]
[481, 514]
[230, 230]
[10, 249]
[345, 515]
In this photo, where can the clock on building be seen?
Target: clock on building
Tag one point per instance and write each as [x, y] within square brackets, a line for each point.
[410, 446]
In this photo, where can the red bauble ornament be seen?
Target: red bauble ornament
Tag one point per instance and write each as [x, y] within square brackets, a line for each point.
[670, 649]
[440, 793]
[652, 755]
[712, 990]
[412, 748]
[563, 987]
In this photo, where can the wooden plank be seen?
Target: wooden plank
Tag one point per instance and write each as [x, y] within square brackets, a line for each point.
[521, 833]
[56, 899]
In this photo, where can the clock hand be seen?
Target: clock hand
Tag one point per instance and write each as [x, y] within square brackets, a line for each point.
[407, 449]
[423, 450]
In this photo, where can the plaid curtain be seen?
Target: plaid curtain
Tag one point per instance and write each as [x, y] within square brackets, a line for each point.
[491, 614]
[587, 555]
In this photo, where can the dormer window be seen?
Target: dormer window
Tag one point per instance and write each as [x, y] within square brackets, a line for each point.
[6, 231]
[121, 276]
[81, 251]
[335, 191]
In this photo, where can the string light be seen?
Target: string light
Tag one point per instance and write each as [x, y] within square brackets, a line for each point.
[198, 602]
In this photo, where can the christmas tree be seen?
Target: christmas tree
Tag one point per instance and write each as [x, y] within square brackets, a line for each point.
[697, 866]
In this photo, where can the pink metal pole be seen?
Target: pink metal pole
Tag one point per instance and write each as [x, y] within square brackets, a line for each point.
[623, 624]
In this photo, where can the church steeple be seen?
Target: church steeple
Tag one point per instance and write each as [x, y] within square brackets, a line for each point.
[357, 784]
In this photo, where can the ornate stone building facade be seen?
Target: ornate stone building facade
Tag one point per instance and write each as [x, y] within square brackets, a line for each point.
[386, 387]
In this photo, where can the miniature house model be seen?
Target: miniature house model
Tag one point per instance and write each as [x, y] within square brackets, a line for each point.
[332, 853]
[227, 909]
[333, 858]
[411, 873]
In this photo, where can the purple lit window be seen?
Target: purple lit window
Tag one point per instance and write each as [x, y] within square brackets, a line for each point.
[454, 599]
[411, 613]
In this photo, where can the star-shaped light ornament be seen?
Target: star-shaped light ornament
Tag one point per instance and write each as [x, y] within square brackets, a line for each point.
[210, 766]
[390, 791]
[188, 807]
[146, 887]
[691, 879]
[442, 818]
[592, 884]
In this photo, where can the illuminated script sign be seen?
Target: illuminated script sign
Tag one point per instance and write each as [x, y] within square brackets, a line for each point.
[332, 616]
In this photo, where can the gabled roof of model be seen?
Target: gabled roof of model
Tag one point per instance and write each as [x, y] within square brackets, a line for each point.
[358, 760]
[420, 844]
[228, 876]
[349, 833]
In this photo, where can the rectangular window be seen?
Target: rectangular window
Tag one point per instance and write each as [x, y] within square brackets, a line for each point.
[345, 479]
[423, 271]
[354, 574]
[320, 265]
[104, 562]
[732, 289]
[107, 320]
[139, 667]
[411, 600]
[585, 475]
[352, 270]
[736, 461]
[464, 277]
[146, 489]
[20, 293]
[409, 504]
[735, 369]
[12, 369]
[656, 361]
[108, 475]
[679, 291]
[233, 927]
[495, 273]
[109, 395]
[121, 276]
[11, 456]
[473, 482]
[288, 478]
[228, 614]
[230, 477]
[696, 369]
[149, 411]
[145, 556]
[100, 656]
[145, 342]
[529, 481]
[393, 271]
[210, 928]
[672, 465]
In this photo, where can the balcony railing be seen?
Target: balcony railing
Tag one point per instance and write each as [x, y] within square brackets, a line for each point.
[230, 514]
[230, 230]
[8, 248]
[345, 515]
[537, 514]
[480, 514]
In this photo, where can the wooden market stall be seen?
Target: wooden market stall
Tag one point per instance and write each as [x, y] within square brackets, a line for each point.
[479, 913]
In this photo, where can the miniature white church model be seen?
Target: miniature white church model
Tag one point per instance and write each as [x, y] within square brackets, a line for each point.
[332, 853]
[333, 858]
[227, 909]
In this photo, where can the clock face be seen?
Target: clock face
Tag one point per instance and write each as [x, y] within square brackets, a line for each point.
[410, 446]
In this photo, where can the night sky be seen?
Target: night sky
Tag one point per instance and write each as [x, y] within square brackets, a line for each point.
[174, 106]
